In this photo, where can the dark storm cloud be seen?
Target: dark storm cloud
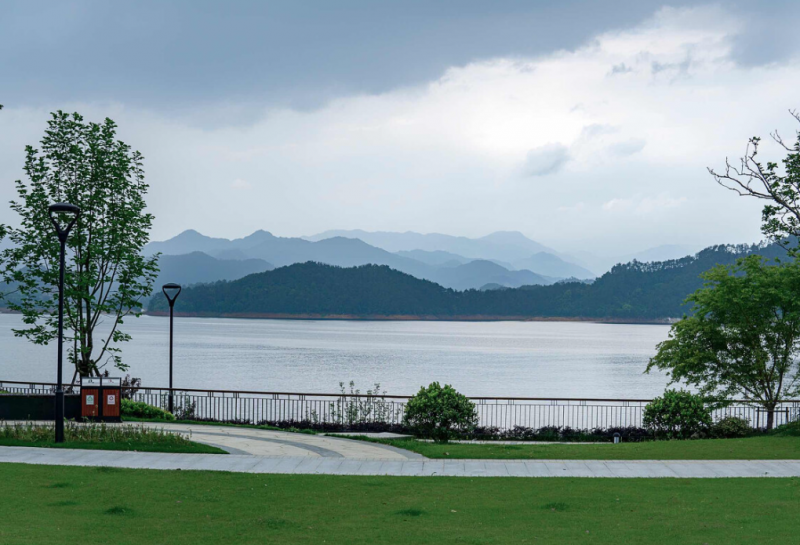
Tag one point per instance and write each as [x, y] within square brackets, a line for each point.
[175, 56]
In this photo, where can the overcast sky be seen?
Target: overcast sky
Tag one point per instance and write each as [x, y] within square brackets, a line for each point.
[585, 125]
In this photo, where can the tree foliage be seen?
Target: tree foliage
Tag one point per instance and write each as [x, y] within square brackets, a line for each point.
[107, 276]
[743, 339]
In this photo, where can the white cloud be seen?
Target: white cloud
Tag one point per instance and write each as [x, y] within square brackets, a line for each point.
[636, 112]
[547, 159]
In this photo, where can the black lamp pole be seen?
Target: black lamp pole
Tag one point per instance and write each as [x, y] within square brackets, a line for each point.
[171, 301]
[63, 233]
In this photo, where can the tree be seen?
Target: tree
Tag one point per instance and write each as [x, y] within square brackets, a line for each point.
[743, 337]
[781, 216]
[106, 274]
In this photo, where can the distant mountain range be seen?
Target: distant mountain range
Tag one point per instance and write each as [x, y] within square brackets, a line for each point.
[631, 292]
[197, 267]
[445, 268]
[505, 246]
[500, 260]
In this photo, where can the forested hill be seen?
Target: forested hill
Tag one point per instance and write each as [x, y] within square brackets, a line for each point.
[633, 291]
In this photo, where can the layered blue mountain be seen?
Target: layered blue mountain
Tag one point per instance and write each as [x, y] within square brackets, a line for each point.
[507, 246]
[452, 271]
[199, 267]
[551, 265]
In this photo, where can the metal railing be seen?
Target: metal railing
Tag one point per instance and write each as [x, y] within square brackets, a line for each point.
[347, 410]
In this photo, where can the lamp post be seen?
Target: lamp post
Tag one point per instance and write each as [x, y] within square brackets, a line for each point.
[63, 233]
[167, 289]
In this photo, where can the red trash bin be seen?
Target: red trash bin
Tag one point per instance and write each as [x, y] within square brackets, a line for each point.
[100, 398]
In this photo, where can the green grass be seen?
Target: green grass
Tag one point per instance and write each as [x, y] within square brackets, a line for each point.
[750, 448]
[190, 447]
[74, 505]
[100, 437]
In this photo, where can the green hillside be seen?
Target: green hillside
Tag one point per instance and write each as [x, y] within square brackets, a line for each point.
[633, 291]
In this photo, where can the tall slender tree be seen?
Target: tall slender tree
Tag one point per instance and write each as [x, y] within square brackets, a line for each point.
[107, 277]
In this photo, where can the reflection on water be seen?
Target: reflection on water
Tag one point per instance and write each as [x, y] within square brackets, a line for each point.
[533, 359]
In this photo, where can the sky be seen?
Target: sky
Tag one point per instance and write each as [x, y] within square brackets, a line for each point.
[587, 126]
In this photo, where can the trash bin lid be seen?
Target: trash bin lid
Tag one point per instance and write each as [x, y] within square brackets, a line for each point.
[112, 381]
[90, 381]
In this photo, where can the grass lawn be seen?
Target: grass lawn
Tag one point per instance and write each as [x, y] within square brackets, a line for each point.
[65, 505]
[191, 447]
[100, 437]
[751, 448]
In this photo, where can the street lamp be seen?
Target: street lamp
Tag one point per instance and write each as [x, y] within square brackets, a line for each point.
[167, 289]
[63, 233]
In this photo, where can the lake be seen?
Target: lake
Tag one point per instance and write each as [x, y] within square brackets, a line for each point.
[534, 359]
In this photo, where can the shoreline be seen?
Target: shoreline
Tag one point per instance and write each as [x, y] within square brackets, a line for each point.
[402, 317]
[410, 318]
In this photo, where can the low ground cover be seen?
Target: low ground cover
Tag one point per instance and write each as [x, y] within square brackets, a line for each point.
[65, 505]
[764, 447]
[218, 423]
[101, 437]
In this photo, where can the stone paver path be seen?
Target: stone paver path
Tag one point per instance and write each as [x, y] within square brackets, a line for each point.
[257, 442]
[391, 466]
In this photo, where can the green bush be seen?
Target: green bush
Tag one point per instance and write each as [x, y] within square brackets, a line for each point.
[440, 413]
[789, 429]
[138, 409]
[92, 433]
[731, 426]
[677, 415]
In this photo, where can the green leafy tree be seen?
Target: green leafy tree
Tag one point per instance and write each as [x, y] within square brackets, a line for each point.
[107, 276]
[743, 337]
[768, 181]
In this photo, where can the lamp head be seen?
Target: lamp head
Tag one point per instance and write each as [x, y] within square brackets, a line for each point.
[63, 208]
[169, 291]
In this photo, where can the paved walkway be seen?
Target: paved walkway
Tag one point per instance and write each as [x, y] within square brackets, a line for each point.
[320, 465]
[258, 442]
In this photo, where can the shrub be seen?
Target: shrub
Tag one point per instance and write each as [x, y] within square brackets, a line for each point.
[789, 429]
[677, 415]
[440, 413]
[731, 426]
[92, 433]
[138, 409]
[560, 434]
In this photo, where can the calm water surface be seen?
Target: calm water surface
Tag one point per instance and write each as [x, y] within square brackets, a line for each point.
[537, 359]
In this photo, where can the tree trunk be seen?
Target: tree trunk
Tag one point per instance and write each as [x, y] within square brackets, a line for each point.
[770, 415]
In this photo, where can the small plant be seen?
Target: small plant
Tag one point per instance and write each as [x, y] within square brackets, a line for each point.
[130, 386]
[731, 426]
[139, 409]
[678, 414]
[440, 413]
[186, 410]
[354, 411]
[92, 433]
